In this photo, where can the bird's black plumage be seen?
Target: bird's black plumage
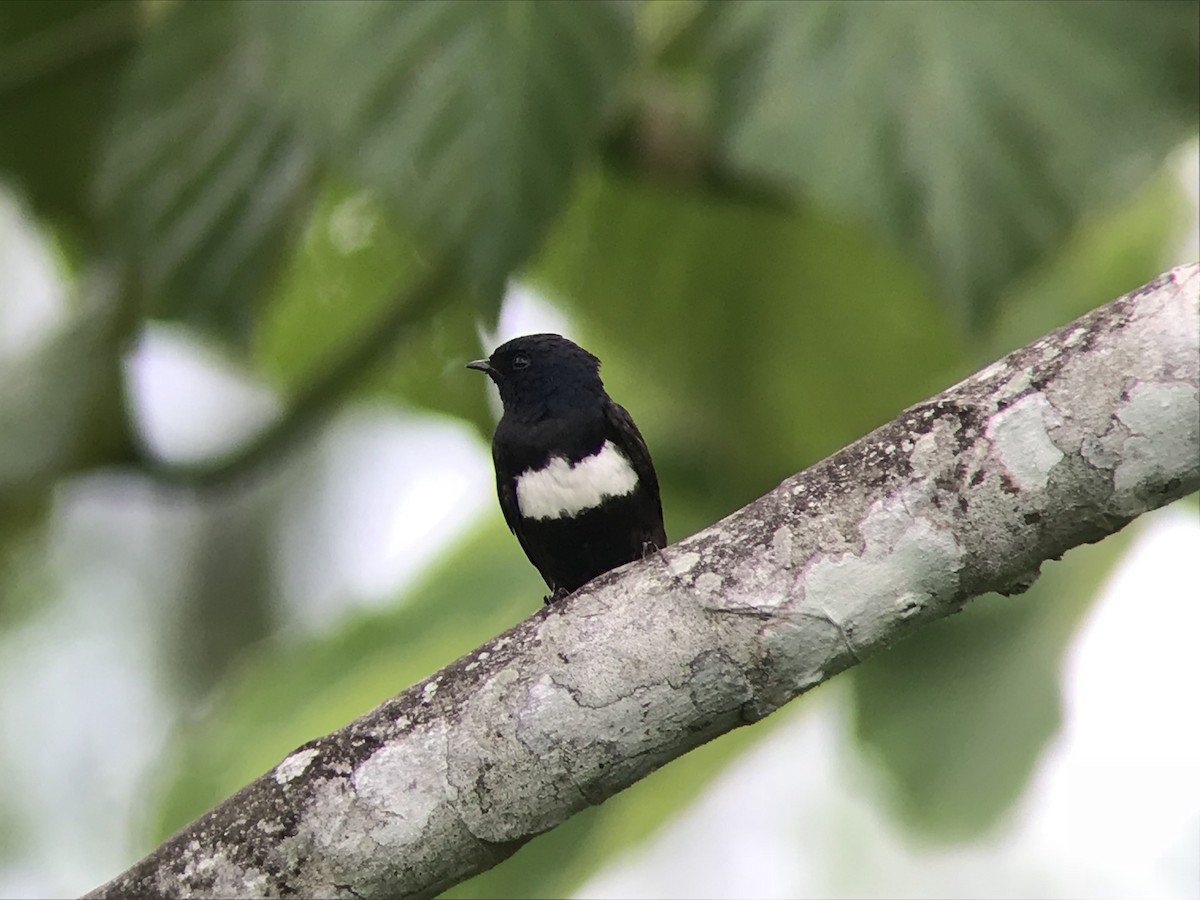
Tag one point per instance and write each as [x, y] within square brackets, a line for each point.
[573, 473]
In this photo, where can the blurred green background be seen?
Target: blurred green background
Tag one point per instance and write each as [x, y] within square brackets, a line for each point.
[245, 249]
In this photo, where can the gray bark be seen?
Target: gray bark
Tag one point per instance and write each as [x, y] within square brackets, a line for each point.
[1061, 442]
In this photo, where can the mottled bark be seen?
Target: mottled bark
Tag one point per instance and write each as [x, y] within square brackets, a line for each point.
[1060, 443]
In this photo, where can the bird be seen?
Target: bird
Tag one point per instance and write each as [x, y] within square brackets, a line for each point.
[573, 473]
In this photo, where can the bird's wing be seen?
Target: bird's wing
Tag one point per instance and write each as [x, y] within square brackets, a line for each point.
[506, 490]
[624, 433]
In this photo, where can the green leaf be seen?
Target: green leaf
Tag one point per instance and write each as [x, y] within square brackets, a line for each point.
[353, 265]
[469, 118]
[60, 66]
[973, 135]
[351, 262]
[202, 179]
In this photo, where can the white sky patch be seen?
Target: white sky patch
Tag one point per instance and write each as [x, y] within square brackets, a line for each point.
[1123, 781]
[190, 402]
[560, 489]
[385, 492]
[1187, 167]
[525, 311]
[32, 286]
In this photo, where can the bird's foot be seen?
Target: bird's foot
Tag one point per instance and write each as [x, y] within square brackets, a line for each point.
[560, 593]
[649, 548]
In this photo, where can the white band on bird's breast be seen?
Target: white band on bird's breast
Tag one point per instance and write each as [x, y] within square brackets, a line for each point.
[559, 489]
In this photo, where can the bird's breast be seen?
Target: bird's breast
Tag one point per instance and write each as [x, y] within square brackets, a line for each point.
[561, 488]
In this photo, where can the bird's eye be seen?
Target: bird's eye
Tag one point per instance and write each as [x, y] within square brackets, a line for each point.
[520, 361]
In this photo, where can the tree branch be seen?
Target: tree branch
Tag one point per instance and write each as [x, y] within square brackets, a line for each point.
[1061, 442]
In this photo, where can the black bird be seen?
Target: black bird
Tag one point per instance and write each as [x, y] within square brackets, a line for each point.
[575, 479]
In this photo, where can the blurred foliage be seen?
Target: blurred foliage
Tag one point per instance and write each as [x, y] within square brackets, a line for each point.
[61, 407]
[964, 132]
[777, 223]
[469, 117]
[1104, 251]
[202, 178]
[60, 68]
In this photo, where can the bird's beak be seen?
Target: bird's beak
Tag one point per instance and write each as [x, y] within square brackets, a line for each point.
[482, 365]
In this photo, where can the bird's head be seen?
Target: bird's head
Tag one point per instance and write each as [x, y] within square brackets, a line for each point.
[542, 375]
